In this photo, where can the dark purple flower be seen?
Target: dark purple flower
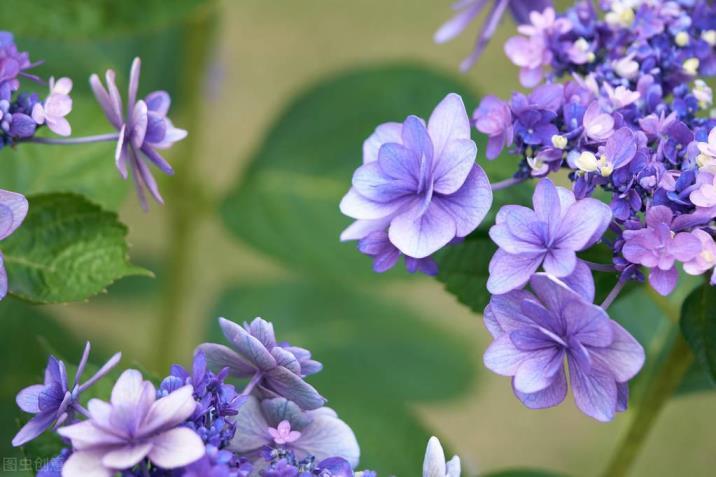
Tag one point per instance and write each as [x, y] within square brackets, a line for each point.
[657, 247]
[494, 118]
[13, 209]
[57, 400]
[318, 433]
[419, 182]
[550, 235]
[468, 10]
[134, 425]
[535, 332]
[276, 369]
[144, 129]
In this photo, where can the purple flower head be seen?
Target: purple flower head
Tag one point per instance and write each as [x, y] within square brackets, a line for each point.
[550, 235]
[57, 105]
[276, 369]
[657, 247]
[13, 209]
[12, 65]
[133, 426]
[386, 255]
[280, 424]
[419, 182]
[144, 129]
[494, 118]
[706, 259]
[468, 10]
[535, 331]
[619, 150]
[56, 401]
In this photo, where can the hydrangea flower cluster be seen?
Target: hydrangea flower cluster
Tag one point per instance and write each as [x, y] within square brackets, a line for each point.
[617, 106]
[196, 424]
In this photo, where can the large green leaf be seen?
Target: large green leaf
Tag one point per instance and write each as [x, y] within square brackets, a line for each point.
[287, 203]
[67, 249]
[698, 324]
[378, 360]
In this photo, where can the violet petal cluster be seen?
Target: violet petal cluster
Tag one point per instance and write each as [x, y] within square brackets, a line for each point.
[534, 332]
[420, 185]
[13, 210]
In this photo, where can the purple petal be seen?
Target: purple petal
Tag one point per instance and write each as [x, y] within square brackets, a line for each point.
[399, 163]
[537, 371]
[469, 205]
[560, 262]
[501, 235]
[458, 23]
[114, 116]
[13, 210]
[102, 372]
[372, 183]
[685, 246]
[447, 123]
[624, 357]
[546, 205]
[251, 428]
[121, 154]
[663, 281]
[506, 310]
[595, 393]
[34, 427]
[115, 98]
[520, 222]
[158, 160]
[133, 86]
[3, 278]
[327, 436]
[362, 228]
[508, 272]
[357, 206]
[176, 448]
[659, 214]
[584, 223]
[86, 463]
[581, 281]
[385, 133]
[27, 399]
[158, 102]
[503, 357]
[220, 356]
[415, 137]
[588, 324]
[139, 121]
[126, 456]
[246, 345]
[156, 128]
[170, 410]
[422, 235]
[147, 178]
[22, 126]
[453, 166]
[552, 292]
[292, 387]
[550, 396]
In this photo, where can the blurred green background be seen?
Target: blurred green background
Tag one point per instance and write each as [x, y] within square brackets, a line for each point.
[278, 97]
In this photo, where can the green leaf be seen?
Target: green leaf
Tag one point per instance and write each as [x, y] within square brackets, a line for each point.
[378, 360]
[26, 330]
[287, 202]
[463, 270]
[698, 324]
[68, 249]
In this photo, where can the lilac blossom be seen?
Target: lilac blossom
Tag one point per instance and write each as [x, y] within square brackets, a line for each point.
[419, 182]
[494, 118]
[468, 10]
[434, 464]
[535, 331]
[279, 423]
[143, 129]
[276, 369]
[119, 434]
[57, 105]
[550, 235]
[705, 260]
[13, 210]
[56, 401]
[657, 247]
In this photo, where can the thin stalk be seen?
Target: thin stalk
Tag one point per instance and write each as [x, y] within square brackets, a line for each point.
[600, 267]
[182, 207]
[255, 379]
[656, 395]
[613, 294]
[74, 140]
[504, 184]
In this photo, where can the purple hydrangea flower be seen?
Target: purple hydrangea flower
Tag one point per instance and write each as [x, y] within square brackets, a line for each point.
[550, 235]
[276, 369]
[419, 182]
[657, 247]
[318, 433]
[434, 464]
[144, 129]
[468, 10]
[57, 105]
[535, 331]
[706, 259]
[13, 209]
[133, 426]
[494, 118]
[56, 401]
[12, 64]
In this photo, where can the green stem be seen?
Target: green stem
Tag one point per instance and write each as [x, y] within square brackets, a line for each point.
[183, 206]
[656, 395]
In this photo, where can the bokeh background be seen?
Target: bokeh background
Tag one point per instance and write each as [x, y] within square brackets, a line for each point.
[278, 97]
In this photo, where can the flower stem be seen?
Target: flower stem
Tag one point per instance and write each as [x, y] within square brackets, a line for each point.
[600, 267]
[74, 140]
[656, 395]
[183, 208]
[255, 379]
[504, 184]
[613, 294]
